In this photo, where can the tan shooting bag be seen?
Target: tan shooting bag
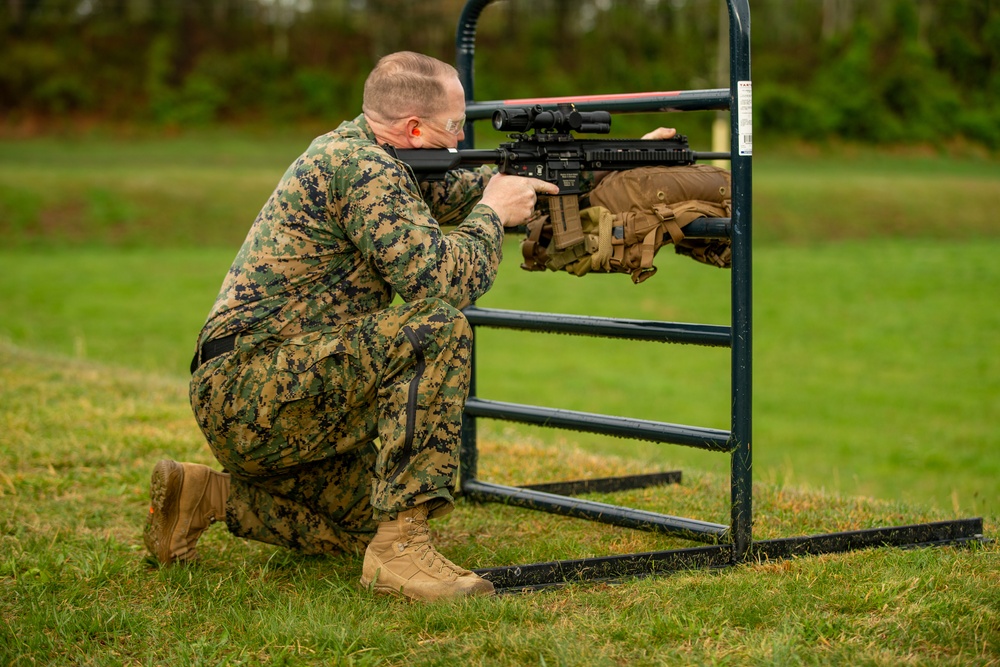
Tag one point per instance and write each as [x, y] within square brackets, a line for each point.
[631, 215]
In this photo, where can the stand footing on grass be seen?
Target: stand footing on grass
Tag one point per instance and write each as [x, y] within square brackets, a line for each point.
[535, 576]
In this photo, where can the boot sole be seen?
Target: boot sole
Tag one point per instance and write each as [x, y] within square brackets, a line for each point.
[164, 505]
[375, 587]
[382, 589]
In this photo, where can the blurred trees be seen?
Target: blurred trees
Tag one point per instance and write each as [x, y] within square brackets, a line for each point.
[886, 71]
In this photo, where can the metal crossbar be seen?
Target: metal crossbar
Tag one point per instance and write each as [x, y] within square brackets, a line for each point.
[537, 576]
[729, 544]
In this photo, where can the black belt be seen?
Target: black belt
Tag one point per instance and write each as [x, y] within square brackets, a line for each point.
[212, 349]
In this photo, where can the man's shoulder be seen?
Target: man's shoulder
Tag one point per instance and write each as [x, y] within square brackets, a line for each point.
[350, 144]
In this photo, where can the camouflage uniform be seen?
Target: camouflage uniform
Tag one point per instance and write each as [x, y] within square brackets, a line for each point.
[338, 408]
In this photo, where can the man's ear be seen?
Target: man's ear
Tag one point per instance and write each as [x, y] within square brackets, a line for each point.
[414, 132]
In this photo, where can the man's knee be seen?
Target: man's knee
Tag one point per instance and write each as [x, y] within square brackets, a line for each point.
[441, 321]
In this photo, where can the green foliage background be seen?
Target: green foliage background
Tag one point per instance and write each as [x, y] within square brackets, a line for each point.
[889, 72]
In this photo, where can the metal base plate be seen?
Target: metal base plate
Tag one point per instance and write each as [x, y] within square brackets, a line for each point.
[535, 576]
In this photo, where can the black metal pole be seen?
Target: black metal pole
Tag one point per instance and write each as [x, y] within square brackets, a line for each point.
[465, 50]
[591, 510]
[711, 335]
[741, 493]
[620, 427]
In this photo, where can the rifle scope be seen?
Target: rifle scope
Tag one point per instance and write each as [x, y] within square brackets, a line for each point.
[561, 120]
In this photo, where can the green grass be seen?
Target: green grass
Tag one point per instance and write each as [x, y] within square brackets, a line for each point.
[182, 191]
[875, 365]
[77, 441]
[204, 188]
[870, 196]
[876, 399]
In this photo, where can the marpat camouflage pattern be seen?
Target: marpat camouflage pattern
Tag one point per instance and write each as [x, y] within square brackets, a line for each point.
[338, 408]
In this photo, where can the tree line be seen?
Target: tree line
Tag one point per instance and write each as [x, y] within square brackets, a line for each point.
[886, 71]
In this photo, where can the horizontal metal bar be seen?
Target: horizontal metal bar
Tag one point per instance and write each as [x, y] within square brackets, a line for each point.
[677, 100]
[535, 576]
[699, 228]
[622, 427]
[691, 529]
[709, 228]
[607, 484]
[921, 534]
[664, 332]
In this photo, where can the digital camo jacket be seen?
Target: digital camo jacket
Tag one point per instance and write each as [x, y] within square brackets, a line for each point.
[346, 229]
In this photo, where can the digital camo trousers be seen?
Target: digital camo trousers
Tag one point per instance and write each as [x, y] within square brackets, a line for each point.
[326, 433]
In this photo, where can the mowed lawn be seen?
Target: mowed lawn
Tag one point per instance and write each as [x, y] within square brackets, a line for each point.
[875, 365]
[876, 400]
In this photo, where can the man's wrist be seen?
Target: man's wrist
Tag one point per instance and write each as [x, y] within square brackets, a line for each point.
[489, 212]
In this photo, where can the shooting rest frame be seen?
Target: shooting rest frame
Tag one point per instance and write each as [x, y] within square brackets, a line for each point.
[727, 545]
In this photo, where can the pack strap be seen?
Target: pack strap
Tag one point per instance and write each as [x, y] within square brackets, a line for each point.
[601, 259]
[669, 220]
[533, 246]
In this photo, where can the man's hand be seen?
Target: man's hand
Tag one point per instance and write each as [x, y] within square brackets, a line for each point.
[513, 197]
[660, 133]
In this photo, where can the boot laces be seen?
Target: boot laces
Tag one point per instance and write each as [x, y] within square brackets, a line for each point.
[419, 540]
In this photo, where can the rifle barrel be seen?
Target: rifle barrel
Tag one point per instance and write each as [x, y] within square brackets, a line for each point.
[702, 155]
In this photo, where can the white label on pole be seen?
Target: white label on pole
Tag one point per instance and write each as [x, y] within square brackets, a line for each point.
[744, 116]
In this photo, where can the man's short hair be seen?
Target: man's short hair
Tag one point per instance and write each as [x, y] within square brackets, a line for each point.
[406, 84]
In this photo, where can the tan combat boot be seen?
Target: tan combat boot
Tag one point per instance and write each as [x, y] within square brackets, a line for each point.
[402, 561]
[185, 499]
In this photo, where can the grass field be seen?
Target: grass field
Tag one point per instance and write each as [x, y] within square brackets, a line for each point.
[876, 400]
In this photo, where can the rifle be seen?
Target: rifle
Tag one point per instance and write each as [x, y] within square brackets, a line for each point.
[551, 153]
